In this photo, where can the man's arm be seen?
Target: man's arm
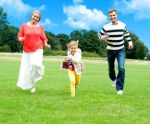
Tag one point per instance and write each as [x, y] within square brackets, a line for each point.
[128, 38]
[102, 35]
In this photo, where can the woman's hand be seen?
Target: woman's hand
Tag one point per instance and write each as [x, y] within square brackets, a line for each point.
[47, 45]
[21, 39]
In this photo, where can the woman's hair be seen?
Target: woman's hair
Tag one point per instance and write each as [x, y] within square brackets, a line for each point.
[36, 11]
[73, 42]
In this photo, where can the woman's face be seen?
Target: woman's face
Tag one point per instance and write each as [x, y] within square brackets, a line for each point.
[35, 17]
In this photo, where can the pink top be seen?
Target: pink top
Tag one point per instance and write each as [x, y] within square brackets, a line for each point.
[34, 37]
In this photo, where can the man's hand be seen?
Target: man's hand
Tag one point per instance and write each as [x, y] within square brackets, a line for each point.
[105, 38]
[130, 45]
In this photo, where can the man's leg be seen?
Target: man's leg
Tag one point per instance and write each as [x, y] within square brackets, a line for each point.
[111, 64]
[121, 73]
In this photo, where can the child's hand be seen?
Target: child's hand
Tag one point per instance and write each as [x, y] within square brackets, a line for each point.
[68, 59]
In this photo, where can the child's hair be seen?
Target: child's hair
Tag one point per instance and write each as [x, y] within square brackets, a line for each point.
[73, 42]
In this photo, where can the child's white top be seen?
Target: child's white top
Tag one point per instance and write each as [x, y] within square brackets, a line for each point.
[76, 60]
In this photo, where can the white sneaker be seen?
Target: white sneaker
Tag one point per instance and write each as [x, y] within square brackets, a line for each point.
[33, 90]
[113, 83]
[119, 92]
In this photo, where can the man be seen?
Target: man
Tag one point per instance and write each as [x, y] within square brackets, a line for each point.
[114, 33]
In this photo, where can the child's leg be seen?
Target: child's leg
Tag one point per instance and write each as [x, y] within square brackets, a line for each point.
[72, 82]
[78, 78]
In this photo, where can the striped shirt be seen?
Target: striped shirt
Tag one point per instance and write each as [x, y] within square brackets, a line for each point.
[116, 34]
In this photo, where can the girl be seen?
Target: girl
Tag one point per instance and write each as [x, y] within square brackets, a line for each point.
[75, 66]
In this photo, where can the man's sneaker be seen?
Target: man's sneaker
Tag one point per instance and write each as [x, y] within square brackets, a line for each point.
[33, 90]
[113, 83]
[119, 92]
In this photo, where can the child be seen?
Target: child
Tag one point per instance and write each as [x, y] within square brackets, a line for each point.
[75, 66]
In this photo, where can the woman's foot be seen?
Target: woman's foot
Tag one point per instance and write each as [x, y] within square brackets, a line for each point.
[33, 90]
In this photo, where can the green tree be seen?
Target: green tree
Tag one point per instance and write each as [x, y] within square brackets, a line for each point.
[3, 26]
[78, 35]
[140, 51]
[89, 41]
[12, 41]
[148, 56]
[64, 40]
[51, 39]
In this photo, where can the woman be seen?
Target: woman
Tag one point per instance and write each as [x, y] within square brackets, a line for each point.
[32, 37]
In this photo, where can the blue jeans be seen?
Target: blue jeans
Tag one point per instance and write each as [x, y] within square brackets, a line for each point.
[120, 56]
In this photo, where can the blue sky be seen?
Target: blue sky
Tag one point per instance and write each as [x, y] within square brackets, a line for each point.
[64, 16]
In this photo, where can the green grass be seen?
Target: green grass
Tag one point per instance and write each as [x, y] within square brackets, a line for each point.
[96, 101]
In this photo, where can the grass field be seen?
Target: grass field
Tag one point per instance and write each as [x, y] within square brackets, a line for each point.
[96, 101]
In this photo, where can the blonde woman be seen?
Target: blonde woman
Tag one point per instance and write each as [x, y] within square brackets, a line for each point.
[75, 66]
[32, 37]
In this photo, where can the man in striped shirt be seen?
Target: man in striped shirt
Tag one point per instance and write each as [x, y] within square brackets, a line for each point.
[114, 33]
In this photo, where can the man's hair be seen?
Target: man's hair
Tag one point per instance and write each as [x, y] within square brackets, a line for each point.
[112, 10]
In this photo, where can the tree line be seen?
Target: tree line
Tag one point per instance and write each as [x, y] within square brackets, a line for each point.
[88, 41]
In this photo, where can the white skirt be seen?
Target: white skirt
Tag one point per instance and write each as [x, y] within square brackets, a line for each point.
[31, 69]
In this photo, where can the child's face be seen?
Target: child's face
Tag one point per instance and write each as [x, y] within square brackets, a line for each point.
[73, 49]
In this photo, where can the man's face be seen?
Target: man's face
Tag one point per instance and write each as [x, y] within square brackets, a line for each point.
[113, 17]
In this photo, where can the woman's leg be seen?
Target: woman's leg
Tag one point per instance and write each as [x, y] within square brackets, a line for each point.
[24, 80]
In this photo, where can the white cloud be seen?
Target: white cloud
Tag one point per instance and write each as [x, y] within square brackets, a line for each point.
[42, 8]
[48, 23]
[17, 8]
[141, 8]
[78, 1]
[79, 16]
